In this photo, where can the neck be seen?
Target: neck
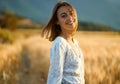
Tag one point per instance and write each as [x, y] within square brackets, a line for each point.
[67, 35]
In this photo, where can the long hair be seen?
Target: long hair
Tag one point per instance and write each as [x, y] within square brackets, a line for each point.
[52, 29]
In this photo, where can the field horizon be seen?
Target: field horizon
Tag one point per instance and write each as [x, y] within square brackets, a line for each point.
[26, 60]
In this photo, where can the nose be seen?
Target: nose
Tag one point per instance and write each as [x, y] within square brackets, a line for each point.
[69, 18]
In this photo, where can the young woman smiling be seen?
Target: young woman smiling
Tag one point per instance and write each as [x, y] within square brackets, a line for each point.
[66, 58]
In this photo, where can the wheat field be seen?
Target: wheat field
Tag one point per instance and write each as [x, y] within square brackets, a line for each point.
[26, 61]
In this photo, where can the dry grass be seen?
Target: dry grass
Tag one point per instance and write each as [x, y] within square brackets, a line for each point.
[102, 57]
[27, 60]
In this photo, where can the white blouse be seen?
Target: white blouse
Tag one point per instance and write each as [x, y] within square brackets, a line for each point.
[66, 63]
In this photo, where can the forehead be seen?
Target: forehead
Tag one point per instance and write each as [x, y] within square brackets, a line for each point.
[64, 9]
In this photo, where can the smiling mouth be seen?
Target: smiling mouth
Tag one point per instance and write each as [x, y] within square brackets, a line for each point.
[70, 23]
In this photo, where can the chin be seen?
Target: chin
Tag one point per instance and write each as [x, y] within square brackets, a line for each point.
[71, 27]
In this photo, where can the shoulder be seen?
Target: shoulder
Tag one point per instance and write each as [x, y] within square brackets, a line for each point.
[59, 42]
[76, 42]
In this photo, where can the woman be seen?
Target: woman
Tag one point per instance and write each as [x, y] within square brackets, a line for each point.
[66, 59]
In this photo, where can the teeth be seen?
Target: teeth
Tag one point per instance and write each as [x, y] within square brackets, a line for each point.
[70, 23]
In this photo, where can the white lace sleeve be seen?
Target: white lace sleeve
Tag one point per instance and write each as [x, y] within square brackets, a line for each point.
[57, 55]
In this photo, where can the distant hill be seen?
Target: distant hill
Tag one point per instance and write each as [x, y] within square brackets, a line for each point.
[13, 21]
[24, 22]
[88, 26]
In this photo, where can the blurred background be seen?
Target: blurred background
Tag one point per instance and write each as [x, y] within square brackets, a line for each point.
[24, 54]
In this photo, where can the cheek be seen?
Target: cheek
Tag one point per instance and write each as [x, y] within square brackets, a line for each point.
[61, 20]
[75, 19]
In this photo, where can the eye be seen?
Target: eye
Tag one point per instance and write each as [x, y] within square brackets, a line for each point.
[71, 13]
[64, 16]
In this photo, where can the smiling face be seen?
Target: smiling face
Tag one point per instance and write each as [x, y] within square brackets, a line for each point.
[67, 18]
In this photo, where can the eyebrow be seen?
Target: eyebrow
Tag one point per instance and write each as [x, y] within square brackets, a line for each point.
[63, 13]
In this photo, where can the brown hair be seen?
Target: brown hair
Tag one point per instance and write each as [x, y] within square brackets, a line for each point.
[52, 29]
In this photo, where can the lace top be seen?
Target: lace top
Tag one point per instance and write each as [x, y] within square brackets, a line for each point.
[66, 63]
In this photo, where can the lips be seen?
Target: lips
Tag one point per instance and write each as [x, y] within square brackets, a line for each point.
[69, 23]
